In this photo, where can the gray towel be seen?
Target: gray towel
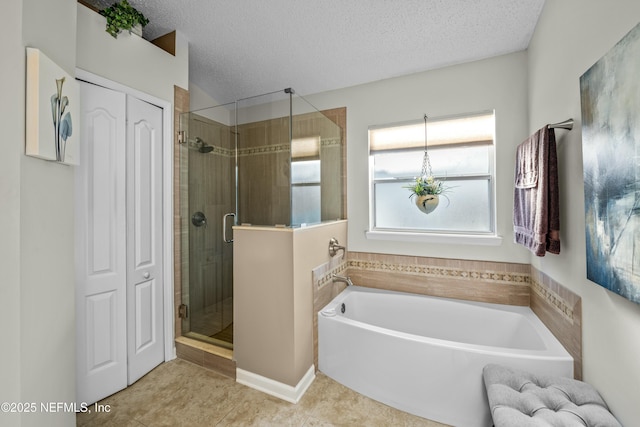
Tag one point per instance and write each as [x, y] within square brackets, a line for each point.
[527, 167]
[536, 208]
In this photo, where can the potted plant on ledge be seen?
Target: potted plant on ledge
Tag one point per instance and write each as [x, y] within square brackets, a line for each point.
[427, 191]
[122, 16]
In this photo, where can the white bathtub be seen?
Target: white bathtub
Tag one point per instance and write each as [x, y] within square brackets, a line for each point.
[424, 355]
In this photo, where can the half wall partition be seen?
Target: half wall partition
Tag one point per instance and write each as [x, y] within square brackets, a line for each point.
[272, 160]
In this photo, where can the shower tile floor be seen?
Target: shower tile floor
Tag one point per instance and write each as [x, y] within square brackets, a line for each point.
[213, 318]
[179, 393]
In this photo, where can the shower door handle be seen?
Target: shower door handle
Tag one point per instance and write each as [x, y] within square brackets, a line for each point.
[224, 227]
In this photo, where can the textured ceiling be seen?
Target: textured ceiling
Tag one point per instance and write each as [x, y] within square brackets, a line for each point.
[241, 48]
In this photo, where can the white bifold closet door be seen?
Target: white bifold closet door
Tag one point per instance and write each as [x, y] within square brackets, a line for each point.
[119, 287]
[145, 333]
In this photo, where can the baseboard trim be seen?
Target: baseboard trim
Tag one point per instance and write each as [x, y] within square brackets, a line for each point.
[275, 388]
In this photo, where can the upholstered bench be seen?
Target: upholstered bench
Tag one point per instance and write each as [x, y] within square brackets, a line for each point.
[518, 398]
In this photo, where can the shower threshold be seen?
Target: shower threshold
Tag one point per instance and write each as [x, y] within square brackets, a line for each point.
[207, 355]
[210, 340]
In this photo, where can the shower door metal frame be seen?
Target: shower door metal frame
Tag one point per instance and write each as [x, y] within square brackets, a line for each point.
[192, 279]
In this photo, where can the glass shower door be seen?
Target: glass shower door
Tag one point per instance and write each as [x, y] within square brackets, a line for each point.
[207, 194]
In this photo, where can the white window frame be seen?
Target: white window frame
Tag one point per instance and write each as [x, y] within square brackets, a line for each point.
[418, 235]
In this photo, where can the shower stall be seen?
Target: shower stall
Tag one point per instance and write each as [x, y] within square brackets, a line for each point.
[271, 160]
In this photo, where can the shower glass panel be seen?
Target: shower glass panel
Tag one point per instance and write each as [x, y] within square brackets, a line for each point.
[270, 160]
[207, 193]
[317, 174]
[290, 155]
[262, 132]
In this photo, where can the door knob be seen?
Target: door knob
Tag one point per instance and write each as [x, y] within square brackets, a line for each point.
[146, 275]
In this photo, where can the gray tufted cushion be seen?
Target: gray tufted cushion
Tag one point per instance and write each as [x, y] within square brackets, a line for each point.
[519, 398]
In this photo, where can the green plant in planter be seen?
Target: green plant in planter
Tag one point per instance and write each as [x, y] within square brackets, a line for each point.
[122, 16]
[427, 191]
[424, 185]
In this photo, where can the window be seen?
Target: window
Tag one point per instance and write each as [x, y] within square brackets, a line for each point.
[461, 150]
[305, 181]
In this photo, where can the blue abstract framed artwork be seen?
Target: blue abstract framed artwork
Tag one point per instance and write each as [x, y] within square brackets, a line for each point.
[610, 96]
[52, 110]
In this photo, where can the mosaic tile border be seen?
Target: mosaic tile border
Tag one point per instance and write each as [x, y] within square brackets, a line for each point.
[331, 142]
[441, 272]
[265, 149]
[554, 300]
[283, 148]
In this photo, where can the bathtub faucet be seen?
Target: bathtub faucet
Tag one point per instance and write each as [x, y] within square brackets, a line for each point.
[342, 279]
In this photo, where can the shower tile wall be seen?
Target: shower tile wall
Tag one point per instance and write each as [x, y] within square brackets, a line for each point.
[264, 170]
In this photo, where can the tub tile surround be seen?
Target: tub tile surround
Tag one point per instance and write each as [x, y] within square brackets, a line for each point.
[494, 282]
[561, 311]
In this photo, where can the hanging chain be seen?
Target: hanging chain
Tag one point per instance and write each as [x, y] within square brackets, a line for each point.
[426, 163]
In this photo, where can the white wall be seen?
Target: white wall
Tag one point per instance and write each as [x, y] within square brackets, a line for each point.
[38, 217]
[129, 59]
[570, 37]
[528, 90]
[37, 289]
[498, 83]
[208, 107]
[12, 121]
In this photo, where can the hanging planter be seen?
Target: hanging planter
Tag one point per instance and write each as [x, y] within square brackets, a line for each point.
[428, 203]
[427, 191]
[426, 188]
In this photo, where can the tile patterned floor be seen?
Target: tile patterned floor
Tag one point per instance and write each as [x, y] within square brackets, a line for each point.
[179, 393]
